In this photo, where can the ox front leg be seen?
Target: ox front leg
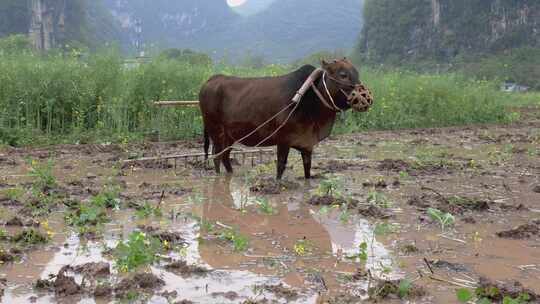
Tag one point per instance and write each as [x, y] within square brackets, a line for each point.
[282, 155]
[306, 159]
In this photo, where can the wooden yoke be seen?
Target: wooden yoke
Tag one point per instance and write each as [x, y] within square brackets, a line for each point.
[307, 84]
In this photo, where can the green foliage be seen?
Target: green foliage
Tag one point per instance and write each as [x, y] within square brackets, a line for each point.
[239, 241]
[444, 219]
[14, 194]
[139, 250]
[109, 197]
[64, 99]
[378, 199]
[303, 247]
[519, 65]
[42, 173]
[265, 206]
[14, 44]
[411, 100]
[85, 214]
[331, 185]
[388, 24]
[385, 228]
[187, 56]
[485, 295]
[362, 254]
[147, 210]
[404, 288]
[464, 295]
[521, 299]
[395, 30]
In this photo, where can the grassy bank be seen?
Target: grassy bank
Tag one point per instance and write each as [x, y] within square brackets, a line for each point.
[59, 99]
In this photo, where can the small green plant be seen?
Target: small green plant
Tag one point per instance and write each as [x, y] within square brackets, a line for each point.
[303, 247]
[362, 254]
[344, 215]
[41, 204]
[483, 296]
[265, 207]
[42, 173]
[196, 199]
[14, 194]
[464, 295]
[445, 219]
[139, 250]
[239, 241]
[324, 210]
[498, 157]
[92, 212]
[378, 199]
[331, 186]
[147, 210]
[131, 296]
[3, 235]
[403, 175]
[30, 237]
[109, 197]
[385, 228]
[521, 299]
[404, 288]
[533, 151]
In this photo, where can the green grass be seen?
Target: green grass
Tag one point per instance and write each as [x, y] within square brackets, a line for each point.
[63, 99]
[411, 100]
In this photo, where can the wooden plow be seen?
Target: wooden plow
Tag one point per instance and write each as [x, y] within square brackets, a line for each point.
[252, 156]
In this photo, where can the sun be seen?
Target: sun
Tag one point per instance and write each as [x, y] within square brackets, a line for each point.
[233, 3]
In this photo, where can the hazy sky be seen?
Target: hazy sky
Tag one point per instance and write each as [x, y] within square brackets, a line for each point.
[236, 2]
[250, 7]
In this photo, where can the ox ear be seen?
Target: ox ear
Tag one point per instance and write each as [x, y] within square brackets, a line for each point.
[324, 63]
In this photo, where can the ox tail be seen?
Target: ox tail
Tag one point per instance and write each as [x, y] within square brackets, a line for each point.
[206, 144]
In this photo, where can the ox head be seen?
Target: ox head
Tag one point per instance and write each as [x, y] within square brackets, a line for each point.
[345, 85]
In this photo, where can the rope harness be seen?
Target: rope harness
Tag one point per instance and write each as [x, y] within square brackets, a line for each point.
[357, 91]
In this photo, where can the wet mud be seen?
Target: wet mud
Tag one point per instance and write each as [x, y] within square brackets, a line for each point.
[391, 216]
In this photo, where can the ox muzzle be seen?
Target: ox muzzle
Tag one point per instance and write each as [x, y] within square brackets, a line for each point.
[360, 98]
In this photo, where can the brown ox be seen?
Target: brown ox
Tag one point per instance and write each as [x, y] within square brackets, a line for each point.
[233, 107]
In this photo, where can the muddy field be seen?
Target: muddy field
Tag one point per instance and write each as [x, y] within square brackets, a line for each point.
[413, 214]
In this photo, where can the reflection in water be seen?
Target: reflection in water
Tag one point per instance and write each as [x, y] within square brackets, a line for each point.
[229, 202]
[346, 239]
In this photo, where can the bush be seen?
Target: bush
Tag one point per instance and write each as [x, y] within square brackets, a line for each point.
[60, 98]
[411, 100]
[187, 56]
[14, 44]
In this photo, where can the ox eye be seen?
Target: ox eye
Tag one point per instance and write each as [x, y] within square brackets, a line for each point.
[343, 75]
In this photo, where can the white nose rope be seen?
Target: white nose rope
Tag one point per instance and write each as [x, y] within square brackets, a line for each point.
[328, 93]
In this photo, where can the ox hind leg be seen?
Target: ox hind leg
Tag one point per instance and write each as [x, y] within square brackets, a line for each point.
[216, 149]
[224, 155]
[306, 159]
[226, 158]
[282, 156]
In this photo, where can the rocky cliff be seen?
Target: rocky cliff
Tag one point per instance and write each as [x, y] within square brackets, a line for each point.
[398, 29]
[284, 30]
